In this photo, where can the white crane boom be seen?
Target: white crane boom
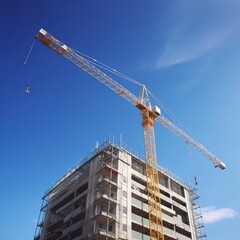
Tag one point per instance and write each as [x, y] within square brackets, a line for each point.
[86, 66]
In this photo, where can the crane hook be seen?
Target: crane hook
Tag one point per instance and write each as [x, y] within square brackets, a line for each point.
[27, 89]
[196, 181]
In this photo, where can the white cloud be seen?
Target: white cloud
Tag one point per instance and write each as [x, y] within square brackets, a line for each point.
[212, 214]
[196, 36]
[184, 49]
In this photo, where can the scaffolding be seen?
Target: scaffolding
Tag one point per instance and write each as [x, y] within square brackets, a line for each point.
[105, 205]
[197, 214]
[40, 219]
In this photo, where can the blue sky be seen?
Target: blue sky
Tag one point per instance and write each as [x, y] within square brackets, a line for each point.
[186, 52]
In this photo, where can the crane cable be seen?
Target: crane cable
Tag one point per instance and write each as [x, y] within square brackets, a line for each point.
[29, 51]
[34, 68]
[107, 68]
[177, 122]
[36, 64]
[190, 154]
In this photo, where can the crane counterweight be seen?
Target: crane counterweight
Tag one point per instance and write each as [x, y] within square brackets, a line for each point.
[157, 110]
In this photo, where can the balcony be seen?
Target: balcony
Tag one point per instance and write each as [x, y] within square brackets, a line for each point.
[167, 218]
[179, 223]
[101, 216]
[105, 182]
[73, 227]
[180, 206]
[103, 198]
[67, 208]
[170, 233]
[183, 236]
[56, 226]
[140, 220]
[139, 204]
[76, 212]
[101, 234]
[108, 167]
[139, 236]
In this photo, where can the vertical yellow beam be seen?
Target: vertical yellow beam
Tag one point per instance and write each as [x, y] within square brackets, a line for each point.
[154, 204]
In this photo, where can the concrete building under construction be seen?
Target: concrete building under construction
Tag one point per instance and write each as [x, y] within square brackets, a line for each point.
[105, 197]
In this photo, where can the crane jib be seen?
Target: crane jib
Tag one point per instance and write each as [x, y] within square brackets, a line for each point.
[87, 67]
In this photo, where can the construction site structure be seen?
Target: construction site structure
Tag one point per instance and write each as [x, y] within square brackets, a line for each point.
[105, 197]
[150, 115]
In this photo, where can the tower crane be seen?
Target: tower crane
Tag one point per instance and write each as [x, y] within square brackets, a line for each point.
[149, 116]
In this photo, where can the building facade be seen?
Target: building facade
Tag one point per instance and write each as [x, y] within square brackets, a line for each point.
[105, 197]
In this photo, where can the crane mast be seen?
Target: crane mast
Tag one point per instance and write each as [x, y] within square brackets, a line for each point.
[154, 204]
[149, 115]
